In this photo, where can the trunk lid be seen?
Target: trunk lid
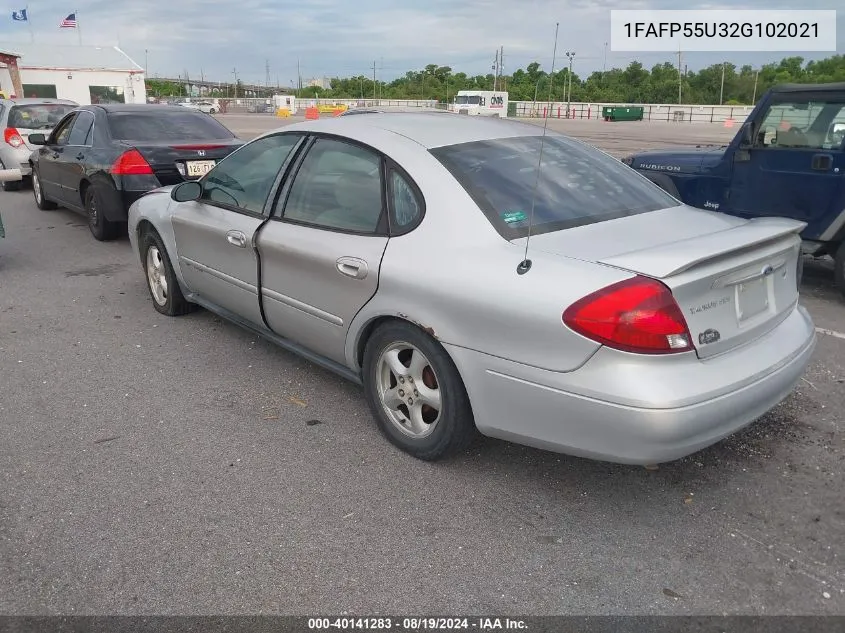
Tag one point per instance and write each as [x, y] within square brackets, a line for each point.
[176, 161]
[25, 132]
[734, 279]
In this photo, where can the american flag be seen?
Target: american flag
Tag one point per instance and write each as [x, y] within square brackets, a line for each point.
[69, 22]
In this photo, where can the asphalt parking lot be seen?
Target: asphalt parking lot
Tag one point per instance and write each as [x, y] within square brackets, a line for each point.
[155, 465]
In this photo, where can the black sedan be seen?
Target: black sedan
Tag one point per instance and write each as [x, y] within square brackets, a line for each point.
[99, 159]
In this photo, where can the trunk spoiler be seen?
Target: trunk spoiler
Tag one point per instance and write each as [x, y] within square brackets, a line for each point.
[674, 258]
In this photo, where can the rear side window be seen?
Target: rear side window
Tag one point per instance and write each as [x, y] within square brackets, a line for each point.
[166, 126]
[40, 116]
[577, 183]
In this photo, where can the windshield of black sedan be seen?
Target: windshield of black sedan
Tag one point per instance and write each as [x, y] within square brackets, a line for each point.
[165, 126]
[577, 184]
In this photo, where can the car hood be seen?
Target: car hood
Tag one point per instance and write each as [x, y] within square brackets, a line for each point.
[687, 160]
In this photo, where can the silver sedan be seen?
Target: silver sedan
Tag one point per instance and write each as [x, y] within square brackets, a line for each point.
[478, 275]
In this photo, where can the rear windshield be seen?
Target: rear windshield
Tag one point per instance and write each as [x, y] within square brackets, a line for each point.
[38, 116]
[578, 184]
[166, 126]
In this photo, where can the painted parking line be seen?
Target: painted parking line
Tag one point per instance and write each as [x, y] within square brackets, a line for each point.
[832, 333]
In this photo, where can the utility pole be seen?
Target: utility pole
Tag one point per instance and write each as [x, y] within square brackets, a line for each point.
[604, 63]
[754, 98]
[235, 73]
[299, 77]
[267, 74]
[502, 65]
[146, 62]
[680, 77]
[496, 70]
[722, 89]
[571, 57]
[374, 79]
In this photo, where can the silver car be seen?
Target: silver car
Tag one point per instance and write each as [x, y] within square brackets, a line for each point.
[394, 249]
[19, 118]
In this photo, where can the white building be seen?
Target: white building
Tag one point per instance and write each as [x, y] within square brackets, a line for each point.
[85, 74]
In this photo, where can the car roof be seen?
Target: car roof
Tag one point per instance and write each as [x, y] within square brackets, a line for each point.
[138, 107]
[831, 87]
[37, 101]
[429, 129]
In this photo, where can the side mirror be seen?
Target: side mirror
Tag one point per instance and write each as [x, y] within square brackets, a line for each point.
[837, 133]
[186, 191]
[37, 139]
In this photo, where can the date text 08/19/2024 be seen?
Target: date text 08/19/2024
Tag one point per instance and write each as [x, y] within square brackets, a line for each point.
[415, 624]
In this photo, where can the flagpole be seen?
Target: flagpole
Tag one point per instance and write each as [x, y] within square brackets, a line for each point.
[78, 28]
[29, 24]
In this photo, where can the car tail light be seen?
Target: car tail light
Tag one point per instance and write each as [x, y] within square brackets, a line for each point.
[131, 163]
[636, 315]
[12, 137]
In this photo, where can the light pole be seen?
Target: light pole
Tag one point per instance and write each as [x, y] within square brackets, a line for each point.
[722, 89]
[146, 62]
[571, 57]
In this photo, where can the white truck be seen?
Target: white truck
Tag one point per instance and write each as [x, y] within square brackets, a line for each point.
[481, 103]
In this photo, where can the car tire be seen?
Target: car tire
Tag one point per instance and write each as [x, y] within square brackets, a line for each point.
[38, 193]
[408, 419]
[839, 268]
[161, 279]
[12, 185]
[212, 111]
[101, 228]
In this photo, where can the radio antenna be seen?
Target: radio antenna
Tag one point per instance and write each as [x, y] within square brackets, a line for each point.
[525, 265]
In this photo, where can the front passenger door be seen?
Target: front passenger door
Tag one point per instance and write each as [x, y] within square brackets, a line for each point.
[50, 157]
[214, 235]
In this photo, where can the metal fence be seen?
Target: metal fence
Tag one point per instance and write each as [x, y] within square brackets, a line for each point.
[665, 112]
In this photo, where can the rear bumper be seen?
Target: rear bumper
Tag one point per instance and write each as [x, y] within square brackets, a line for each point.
[624, 408]
[132, 188]
[16, 158]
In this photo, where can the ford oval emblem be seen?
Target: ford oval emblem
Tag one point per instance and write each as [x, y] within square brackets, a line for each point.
[709, 336]
[768, 270]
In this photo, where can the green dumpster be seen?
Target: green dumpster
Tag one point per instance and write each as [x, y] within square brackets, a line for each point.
[511, 108]
[622, 113]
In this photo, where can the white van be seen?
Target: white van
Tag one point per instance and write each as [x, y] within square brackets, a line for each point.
[481, 103]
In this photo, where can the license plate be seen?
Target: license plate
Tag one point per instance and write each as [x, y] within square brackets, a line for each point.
[752, 298]
[199, 167]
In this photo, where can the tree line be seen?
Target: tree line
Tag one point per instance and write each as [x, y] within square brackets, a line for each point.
[633, 84]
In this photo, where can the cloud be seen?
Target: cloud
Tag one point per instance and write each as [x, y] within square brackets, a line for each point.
[338, 37]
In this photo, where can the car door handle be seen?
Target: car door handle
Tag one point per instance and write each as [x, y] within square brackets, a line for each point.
[80, 156]
[236, 238]
[352, 267]
[822, 162]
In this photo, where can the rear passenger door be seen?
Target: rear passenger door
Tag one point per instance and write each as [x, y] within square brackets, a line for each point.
[322, 248]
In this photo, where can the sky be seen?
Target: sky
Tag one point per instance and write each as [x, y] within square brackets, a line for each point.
[328, 38]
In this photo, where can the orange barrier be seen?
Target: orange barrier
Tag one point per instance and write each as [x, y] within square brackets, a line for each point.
[338, 112]
[312, 113]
